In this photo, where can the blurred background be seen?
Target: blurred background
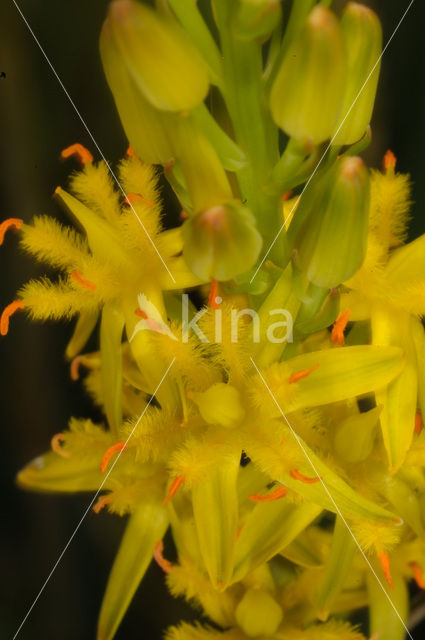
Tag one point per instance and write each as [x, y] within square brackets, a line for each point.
[36, 122]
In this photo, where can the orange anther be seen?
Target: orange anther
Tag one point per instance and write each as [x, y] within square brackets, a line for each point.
[141, 314]
[16, 305]
[183, 216]
[83, 155]
[299, 375]
[239, 531]
[418, 574]
[340, 324]
[131, 152]
[280, 492]
[418, 423]
[297, 475]
[10, 223]
[116, 448]
[76, 275]
[286, 195]
[386, 567]
[131, 198]
[165, 564]
[214, 299]
[389, 161]
[101, 503]
[174, 487]
[56, 443]
[74, 368]
[169, 166]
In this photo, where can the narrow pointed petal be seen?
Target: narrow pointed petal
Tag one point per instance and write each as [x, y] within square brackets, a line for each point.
[215, 508]
[82, 331]
[384, 620]
[399, 398]
[147, 525]
[269, 528]
[111, 329]
[337, 566]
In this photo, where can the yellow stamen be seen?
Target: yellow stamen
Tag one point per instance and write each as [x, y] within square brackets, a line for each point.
[297, 475]
[11, 308]
[386, 567]
[174, 487]
[10, 223]
[340, 324]
[299, 375]
[116, 448]
[165, 564]
[82, 154]
[57, 445]
[76, 275]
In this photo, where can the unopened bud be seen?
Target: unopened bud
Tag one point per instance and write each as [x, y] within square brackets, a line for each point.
[162, 62]
[221, 242]
[331, 243]
[257, 18]
[362, 34]
[220, 404]
[307, 93]
[258, 614]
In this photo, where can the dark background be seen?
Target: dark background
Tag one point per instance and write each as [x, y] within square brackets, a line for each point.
[36, 122]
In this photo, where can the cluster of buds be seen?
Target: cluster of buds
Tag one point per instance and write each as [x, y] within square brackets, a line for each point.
[289, 469]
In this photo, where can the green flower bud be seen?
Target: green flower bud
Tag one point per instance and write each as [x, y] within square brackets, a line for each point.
[307, 93]
[148, 130]
[331, 243]
[257, 18]
[162, 62]
[221, 242]
[258, 614]
[362, 34]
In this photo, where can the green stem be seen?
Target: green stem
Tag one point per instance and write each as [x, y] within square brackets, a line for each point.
[254, 132]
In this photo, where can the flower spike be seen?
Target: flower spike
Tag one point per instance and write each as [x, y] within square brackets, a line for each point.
[16, 305]
[116, 448]
[10, 223]
[57, 445]
[339, 327]
[174, 487]
[81, 153]
[162, 562]
[76, 275]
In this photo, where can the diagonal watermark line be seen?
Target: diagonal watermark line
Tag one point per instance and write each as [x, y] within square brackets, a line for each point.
[92, 502]
[337, 509]
[332, 139]
[92, 137]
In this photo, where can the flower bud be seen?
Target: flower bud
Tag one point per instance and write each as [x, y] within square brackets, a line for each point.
[331, 243]
[148, 130]
[220, 404]
[362, 35]
[258, 614]
[221, 242]
[162, 62]
[257, 18]
[308, 90]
